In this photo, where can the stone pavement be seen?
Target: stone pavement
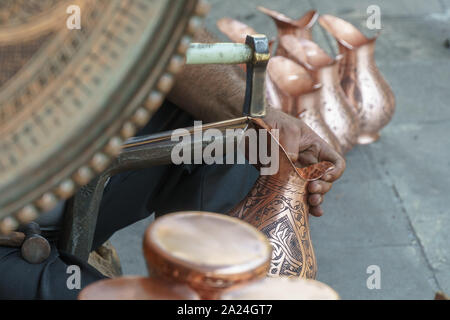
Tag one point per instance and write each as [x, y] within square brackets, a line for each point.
[390, 209]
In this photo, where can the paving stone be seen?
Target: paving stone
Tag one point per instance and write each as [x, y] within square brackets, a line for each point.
[361, 209]
[418, 166]
[344, 268]
[397, 8]
[409, 40]
[128, 243]
[421, 91]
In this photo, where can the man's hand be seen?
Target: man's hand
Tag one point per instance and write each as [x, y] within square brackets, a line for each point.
[305, 147]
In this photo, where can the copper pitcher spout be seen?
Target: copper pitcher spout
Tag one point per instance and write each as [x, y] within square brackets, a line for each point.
[337, 111]
[293, 90]
[301, 28]
[277, 205]
[361, 80]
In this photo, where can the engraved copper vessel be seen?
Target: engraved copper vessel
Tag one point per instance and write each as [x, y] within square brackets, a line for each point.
[361, 80]
[301, 28]
[277, 206]
[295, 92]
[337, 111]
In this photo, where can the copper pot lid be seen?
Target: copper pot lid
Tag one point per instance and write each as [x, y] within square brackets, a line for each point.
[136, 288]
[69, 98]
[206, 250]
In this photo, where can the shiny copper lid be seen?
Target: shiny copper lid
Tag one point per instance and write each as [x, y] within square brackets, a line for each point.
[207, 251]
[137, 288]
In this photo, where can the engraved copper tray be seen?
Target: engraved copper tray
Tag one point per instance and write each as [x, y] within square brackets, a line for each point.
[69, 98]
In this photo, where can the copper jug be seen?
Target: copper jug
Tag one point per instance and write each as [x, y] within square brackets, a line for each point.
[301, 28]
[337, 111]
[295, 92]
[361, 80]
[277, 205]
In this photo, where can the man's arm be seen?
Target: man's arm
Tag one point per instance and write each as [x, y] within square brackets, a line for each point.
[216, 92]
[210, 92]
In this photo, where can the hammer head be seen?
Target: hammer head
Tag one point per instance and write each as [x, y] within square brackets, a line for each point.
[255, 103]
[35, 249]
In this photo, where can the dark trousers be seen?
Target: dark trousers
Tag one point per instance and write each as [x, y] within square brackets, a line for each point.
[130, 197]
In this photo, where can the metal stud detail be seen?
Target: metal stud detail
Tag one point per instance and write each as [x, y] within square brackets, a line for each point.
[27, 214]
[166, 82]
[8, 224]
[65, 189]
[83, 175]
[100, 162]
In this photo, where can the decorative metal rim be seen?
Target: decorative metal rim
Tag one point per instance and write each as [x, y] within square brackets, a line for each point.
[100, 160]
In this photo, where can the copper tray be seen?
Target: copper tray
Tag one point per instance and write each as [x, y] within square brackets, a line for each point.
[68, 98]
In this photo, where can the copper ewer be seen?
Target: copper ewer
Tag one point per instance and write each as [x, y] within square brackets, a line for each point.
[336, 109]
[277, 206]
[360, 78]
[293, 90]
[301, 28]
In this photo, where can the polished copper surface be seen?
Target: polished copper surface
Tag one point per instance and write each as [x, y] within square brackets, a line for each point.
[137, 288]
[311, 105]
[235, 30]
[361, 80]
[290, 80]
[301, 28]
[337, 111]
[283, 289]
[210, 253]
[292, 89]
[277, 206]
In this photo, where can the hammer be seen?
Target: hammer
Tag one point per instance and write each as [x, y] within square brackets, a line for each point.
[35, 248]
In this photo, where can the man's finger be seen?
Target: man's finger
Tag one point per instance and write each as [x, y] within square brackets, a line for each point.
[319, 186]
[315, 199]
[339, 165]
[316, 211]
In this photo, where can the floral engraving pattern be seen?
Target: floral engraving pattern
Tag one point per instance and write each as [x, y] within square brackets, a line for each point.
[279, 210]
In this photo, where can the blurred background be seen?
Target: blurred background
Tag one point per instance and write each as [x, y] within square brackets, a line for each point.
[390, 209]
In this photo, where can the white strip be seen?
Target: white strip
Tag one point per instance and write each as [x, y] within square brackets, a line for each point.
[218, 53]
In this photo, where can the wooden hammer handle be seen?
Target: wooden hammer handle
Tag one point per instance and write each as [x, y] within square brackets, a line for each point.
[13, 239]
